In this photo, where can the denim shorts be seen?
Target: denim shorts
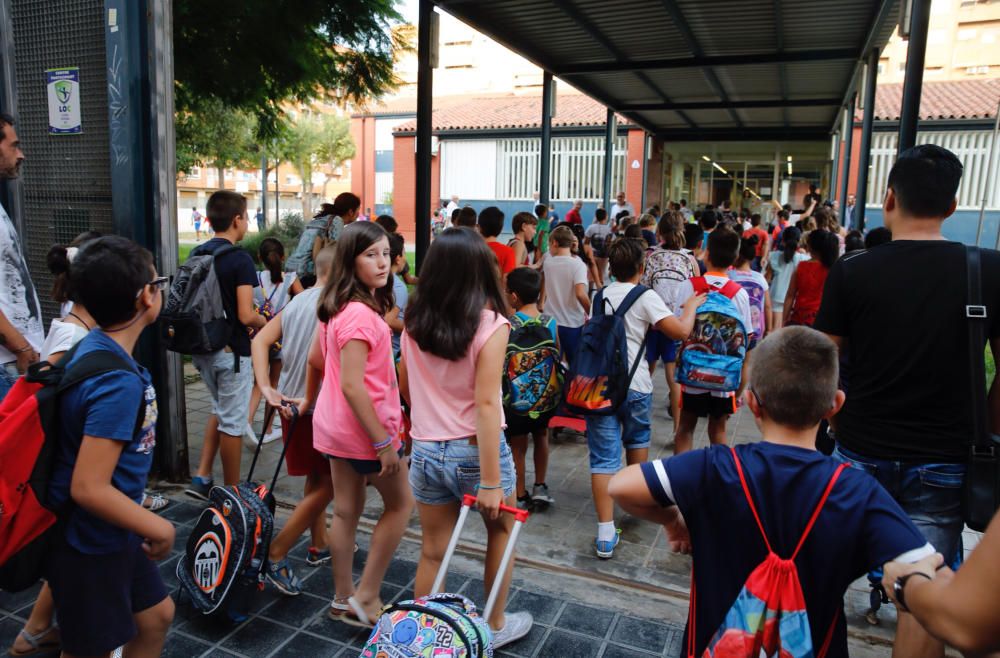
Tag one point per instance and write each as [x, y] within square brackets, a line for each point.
[230, 390]
[628, 428]
[8, 375]
[442, 472]
[930, 494]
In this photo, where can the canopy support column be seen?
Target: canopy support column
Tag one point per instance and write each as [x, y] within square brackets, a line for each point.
[909, 113]
[871, 76]
[545, 166]
[845, 165]
[425, 96]
[609, 152]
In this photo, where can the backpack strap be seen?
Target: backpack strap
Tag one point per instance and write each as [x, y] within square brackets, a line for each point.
[516, 321]
[631, 298]
[700, 285]
[597, 308]
[730, 289]
[746, 492]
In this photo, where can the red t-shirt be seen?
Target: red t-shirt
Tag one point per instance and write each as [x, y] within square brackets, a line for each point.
[761, 238]
[505, 256]
[573, 217]
[810, 277]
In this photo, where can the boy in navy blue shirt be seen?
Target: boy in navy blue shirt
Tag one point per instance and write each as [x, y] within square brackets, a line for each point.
[107, 590]
[698, 498]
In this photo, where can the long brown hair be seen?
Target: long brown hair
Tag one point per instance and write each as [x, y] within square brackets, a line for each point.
[458, 281]
[343, 286]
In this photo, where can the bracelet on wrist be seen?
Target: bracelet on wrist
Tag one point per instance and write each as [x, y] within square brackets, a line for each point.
[383, 450]
[899, 588]
[22, 350]
[382, 444]
[488, 488]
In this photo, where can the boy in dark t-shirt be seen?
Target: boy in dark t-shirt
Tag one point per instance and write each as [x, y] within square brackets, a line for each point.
[699, 499]
[228, 373]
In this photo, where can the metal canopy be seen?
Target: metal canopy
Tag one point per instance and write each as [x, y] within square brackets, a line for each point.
[697, 69]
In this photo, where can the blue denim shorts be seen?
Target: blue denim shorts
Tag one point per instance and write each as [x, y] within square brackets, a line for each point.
[443, 472]
[8, 375]
[930, 494]
[628, 428]
[230, 390]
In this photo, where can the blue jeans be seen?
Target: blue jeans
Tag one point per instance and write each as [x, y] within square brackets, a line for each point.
[442, 472]
[8, 375]
[628, 428]
[930, 494]
[569, 340]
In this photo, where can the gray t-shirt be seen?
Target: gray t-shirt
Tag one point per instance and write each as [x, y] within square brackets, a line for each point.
[298, 325]
[18, 299]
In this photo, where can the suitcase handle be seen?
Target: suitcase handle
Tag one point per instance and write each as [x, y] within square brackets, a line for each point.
[520, 516]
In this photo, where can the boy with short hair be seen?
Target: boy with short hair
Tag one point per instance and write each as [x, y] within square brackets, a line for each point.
[723, 250]
[524, 285]
[491, 226]
[700, 500]
[228, 374]
[466, 217]
[598, 236]
[542, 232]
[107, 590]
[525, 227]
[564, 290]
[763, 242]
[630, 425]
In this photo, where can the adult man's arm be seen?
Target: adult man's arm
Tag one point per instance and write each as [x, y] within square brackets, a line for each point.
[17, 344]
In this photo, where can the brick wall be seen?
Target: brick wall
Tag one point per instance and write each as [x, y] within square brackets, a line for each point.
[852, 178]
[363, 164]
[633, 177]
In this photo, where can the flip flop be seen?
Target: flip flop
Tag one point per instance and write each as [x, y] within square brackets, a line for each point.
[38, 647]
[351, 614]
[156, 502]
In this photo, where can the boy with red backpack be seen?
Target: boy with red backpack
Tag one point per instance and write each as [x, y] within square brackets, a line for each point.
[778, 531]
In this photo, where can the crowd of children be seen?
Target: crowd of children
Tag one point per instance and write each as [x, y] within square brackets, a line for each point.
[418, 391]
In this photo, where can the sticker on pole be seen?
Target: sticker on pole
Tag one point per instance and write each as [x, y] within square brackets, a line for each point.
[64, 101]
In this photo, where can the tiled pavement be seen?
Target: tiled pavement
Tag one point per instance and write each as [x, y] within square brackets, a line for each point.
[559, 541]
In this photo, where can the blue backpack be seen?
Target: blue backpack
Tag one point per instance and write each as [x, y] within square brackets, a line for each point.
[711, 358]
[600, 375]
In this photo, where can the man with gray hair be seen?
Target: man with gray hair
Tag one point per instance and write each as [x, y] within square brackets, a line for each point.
[573, 216]
[21, 330]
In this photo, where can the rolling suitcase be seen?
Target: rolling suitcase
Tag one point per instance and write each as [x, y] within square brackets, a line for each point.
[443, 624]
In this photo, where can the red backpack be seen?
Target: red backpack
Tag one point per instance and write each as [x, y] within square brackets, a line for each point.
[29, 432]
[769, 615]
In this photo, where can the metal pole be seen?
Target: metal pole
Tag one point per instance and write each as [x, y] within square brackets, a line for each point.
[425, 106]
[871, 76]
[909, 113]
[645, 176]
[988, 181]
[545, 166]
[263, 189]
[609, 152]
[831, 192]
[277, 192]
[845, 166]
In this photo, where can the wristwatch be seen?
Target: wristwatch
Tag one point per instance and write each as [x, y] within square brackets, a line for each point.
[900, 585]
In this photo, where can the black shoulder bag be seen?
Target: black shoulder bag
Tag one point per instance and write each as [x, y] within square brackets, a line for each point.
[982, 479]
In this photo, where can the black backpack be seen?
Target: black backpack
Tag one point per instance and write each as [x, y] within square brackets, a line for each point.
[195, 319]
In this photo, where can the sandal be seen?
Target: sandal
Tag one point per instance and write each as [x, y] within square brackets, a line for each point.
[38, 646]
[154, 502]
[350, 612]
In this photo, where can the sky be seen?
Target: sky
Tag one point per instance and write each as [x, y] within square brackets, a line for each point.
[410, 10]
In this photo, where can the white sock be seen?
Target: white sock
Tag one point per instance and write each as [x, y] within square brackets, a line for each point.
[606, 531]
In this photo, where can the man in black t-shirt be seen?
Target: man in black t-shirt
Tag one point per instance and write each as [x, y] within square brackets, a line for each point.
[900, 310]
[228, 373]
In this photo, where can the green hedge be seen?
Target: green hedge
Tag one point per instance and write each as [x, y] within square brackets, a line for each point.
[288, 230]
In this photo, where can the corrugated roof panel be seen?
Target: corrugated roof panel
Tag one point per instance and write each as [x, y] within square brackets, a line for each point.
[751, 81]
[812, 116]
[813, 25]
[748, 24]
[666, 118]
[706, 118]
[622, 87]
[683, 84]
[617, 20]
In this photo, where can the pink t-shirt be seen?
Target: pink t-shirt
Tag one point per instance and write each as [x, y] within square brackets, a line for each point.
[443, 392]
[336, 430]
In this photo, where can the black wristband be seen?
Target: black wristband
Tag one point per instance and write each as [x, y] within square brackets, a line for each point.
[899, 587]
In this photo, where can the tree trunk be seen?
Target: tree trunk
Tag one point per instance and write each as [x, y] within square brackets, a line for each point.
[306, 174]
[221, 171]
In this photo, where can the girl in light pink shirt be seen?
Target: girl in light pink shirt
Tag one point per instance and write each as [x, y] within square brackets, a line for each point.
[453, 351]
[357, 415]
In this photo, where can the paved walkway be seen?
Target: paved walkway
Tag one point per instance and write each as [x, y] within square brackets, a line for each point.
[559, 541]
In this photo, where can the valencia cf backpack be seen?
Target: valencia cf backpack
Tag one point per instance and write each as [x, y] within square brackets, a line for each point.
[29, 434]
[768, 617]
[600, 374]
[195, 319]
[711, 358]
[533, 376]
[225, 558]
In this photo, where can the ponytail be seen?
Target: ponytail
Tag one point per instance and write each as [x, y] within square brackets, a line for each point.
[748, 249]
[824, 246]
[272, 257]
[790, 243]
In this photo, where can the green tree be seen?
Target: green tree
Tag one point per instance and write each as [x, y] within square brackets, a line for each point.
[215, 136]
[316, 142]
[254, 55]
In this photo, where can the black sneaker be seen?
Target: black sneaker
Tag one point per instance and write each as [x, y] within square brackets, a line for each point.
[524, 502]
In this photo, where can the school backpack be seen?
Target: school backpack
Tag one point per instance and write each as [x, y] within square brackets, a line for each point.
[533, 376]
[599, 243]
[194, 319]
[29, 434]
[665, 270]
[768, 617]
[711, 358]
[446, 624]
[600, 376]
[225, 557]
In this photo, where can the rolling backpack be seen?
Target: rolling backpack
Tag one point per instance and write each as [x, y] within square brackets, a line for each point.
[600, 376]
[29, 434]
[711, 358]
[194, 319]
[225, 558]
[768, 617]
[533, 376]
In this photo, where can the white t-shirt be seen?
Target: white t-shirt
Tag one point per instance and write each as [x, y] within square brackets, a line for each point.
[615, 209]
[598, 233]
[562, 274]
[742, 302]
[62, 336]
[646, 312]
[18, 299]
[277, 293]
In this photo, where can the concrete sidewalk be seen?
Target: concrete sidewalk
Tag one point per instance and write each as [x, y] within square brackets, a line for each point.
[560, 540]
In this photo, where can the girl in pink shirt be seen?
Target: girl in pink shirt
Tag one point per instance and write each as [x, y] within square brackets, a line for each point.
[357, 414]
[453, 351]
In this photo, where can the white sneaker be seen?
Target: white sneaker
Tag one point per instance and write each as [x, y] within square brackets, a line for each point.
[273, 435]
[518, 625]
[250, 437]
